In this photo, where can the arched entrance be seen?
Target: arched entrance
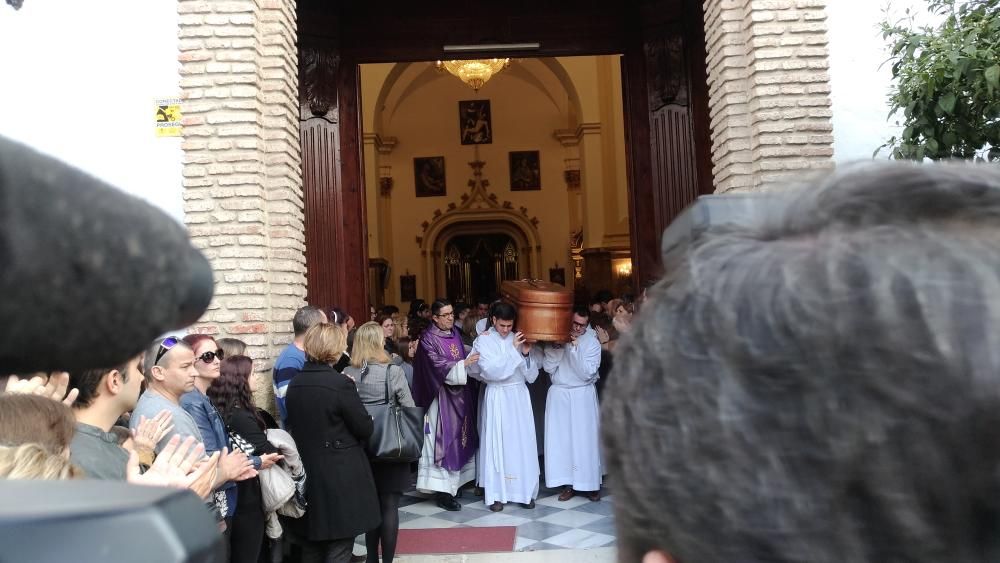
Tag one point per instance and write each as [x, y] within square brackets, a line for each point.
[476, 265]
[668, 144]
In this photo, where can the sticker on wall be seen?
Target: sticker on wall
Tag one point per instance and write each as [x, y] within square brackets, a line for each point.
[168, 117]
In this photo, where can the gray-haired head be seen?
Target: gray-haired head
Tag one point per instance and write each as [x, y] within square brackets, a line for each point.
[305, 318]
[822, 384]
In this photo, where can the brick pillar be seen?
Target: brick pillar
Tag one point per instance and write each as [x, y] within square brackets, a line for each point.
[769, 90]
[242, 178]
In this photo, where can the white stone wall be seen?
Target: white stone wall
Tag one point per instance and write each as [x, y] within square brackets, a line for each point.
[769, 90]
[242, 178]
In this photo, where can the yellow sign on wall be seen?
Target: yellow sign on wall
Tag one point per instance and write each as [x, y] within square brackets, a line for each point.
[168, 117]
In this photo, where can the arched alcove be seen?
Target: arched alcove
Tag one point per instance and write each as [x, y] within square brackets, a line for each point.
[480, 228]
[477, 222]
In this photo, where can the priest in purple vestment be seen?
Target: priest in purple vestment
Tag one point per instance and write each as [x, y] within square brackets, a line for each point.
[439, 385]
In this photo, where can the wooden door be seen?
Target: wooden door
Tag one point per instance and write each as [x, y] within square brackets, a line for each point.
[669, 138]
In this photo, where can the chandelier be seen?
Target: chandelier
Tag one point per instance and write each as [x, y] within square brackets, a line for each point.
[476, 72]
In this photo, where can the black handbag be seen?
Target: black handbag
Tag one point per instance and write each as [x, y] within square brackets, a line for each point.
[398, 435]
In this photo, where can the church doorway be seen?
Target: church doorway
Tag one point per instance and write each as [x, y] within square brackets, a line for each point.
[476, 265]
[659, 46]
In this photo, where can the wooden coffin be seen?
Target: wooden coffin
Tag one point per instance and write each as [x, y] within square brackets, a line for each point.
[544, 310]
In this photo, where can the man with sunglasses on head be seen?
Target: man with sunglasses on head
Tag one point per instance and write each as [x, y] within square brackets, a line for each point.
[170, 373]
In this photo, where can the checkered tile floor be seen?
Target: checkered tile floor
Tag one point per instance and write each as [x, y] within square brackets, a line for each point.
[575, 524]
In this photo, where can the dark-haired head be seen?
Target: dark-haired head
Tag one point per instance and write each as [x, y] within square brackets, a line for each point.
[504, 311]
[232, 390]
[336, 315]
[582, 311]
[416, 306]
[439, 304]
[602, 297]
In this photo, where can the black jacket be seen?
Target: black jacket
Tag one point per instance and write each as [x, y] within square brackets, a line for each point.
[330, 425]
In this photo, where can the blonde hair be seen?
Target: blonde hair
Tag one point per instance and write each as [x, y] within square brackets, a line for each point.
[369, 342]
[325, 343]
[35, 461]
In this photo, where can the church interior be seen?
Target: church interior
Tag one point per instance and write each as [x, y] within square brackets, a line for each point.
[469, 184]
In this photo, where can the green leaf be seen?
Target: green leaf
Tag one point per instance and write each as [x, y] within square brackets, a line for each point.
[947, 103]
[932, 146]
[993, 76]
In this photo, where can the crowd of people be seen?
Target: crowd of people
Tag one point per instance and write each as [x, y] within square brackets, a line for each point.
[818, 384]
[183, 414]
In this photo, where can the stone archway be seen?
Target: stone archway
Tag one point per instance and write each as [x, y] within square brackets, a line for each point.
[479, 212]
[528, 264]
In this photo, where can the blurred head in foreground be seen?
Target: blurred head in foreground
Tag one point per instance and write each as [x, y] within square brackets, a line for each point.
[820, 383]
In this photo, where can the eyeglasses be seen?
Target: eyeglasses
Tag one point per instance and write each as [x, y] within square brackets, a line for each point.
[579, 325]
[209, 357]
[165, 346]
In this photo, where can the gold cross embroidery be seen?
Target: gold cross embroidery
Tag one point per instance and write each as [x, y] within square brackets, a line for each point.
[454, 351]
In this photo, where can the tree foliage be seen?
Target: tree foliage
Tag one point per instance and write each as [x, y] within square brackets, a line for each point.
[946, 81]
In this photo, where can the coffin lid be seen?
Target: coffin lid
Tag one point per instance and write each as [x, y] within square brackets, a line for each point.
[536, 291]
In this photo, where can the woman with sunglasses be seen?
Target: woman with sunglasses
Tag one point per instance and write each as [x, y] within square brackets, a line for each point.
[207, 359]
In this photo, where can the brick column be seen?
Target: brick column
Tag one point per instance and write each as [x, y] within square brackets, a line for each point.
[769, 90]
[242, 179]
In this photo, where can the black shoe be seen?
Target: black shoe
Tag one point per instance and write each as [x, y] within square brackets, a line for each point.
[528, 505]
[496, 506]
[448, 502]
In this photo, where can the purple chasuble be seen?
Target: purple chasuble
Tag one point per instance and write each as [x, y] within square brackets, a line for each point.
[457, 437]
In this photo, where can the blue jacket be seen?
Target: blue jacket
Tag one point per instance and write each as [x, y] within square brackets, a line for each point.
[213, 431]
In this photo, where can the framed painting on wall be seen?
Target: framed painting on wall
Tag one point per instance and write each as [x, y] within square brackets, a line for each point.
[525, 171]
[407, 288]
[429, 176]
[475, 122]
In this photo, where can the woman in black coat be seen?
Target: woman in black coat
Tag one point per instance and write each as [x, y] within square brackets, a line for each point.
[330, 426]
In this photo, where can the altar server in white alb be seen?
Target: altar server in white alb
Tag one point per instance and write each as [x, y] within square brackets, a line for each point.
[508, 452]
[572, 415]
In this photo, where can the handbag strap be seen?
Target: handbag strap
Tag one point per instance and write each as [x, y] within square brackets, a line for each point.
[387, 384]
[364, 373]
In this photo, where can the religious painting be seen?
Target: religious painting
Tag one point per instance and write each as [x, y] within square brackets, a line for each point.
[475, 122]
[407, 288]
[428, 176]
[557, 275]
[525, 171]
